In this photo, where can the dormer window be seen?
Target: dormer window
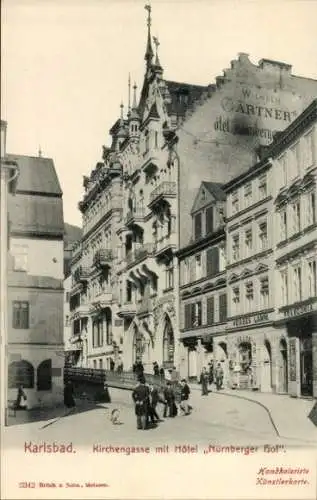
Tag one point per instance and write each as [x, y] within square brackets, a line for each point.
[198, 226]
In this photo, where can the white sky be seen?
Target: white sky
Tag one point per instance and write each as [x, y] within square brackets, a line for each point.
[65, 64]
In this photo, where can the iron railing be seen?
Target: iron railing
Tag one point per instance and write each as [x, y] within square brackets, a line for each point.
[163, 189]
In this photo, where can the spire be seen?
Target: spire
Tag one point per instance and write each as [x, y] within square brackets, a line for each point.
[134, 111]
[134, 105]
[149, 51]
[157, 44]
[40, 153]
[121, 114]
[129, 95]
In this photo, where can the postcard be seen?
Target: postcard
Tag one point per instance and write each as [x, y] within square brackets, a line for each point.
[158, 249]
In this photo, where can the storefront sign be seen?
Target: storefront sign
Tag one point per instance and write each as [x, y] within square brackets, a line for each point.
[250, 320]
[292, 359]
[298, 310]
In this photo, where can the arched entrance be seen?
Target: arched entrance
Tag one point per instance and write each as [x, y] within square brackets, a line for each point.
[21, 373]
[283, 367]
[44, 376]
[266, 372]
[245, 361]
[168, 344]
[306, 366]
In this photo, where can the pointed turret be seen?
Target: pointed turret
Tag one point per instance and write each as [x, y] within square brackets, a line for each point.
[157, 65]
[149, 51]
[134, 118]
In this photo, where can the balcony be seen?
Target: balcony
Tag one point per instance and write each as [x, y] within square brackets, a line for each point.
[103, 258]
[127, 310]
[165, 245]
[134, 216]
[81, 311]
[103, 300]
[162, 192]
[144, 307]
[138, 254]
[81, 275]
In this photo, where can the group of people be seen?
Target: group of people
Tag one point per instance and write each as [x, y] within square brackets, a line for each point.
[146, 397]
[116, 366]
[210, 376]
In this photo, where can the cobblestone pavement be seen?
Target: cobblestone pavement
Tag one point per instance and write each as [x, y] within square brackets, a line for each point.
[215, 420]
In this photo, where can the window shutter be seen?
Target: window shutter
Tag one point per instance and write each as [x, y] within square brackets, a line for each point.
[223, 307]
[210, 310]
[212, 261]
[209, 220]
[198, 226]
[187, 314]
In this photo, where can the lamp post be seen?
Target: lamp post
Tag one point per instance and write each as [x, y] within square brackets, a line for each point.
[8, 173]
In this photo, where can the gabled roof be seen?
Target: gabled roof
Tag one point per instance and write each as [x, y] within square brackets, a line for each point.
[215, 188]
[208, 193]
[37, 175]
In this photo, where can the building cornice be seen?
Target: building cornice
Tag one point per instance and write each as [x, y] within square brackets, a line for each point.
[201, 244]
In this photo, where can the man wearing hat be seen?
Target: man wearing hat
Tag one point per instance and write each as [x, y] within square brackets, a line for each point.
[140, 396]
[185, 392]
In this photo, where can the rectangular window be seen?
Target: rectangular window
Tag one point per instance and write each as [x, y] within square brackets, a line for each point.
[312, 279]
[100, 364]
[263, 242]
[235, 201]
[187, 316]
[296, 217]
[297, 277]
[284, 287]
[198, 226]
[235, 300]
[249, 296]
[196, 314]
[283, 224]
[307, 149]
[156, 139]
[293, 164]
[248, 242]
[283, 162]
[223, 307]
[210, 310]
[263, 186]
[129, 291]
[264, 292]
[95, 364]
[212, 256]
[169, 281]
[20, 254]
[198, 267]
[247, 194]
[109, 337]
[235, 248]
[20, 315]
[209, 220]
[311, 215]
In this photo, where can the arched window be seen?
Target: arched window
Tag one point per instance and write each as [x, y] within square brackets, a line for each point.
[20, 373]
[44, 376]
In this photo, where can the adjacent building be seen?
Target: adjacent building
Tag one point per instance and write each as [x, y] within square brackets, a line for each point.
[35, 283]
[203, 293]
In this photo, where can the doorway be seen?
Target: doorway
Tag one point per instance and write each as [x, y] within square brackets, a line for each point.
[283, 367]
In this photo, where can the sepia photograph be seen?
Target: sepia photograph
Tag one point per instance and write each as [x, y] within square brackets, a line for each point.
[158, 263]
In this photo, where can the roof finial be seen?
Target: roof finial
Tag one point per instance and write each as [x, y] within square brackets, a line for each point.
[40, 152]
[149, 51]
[129, 94]
[121, 113]
[134, 105]
[157, 44]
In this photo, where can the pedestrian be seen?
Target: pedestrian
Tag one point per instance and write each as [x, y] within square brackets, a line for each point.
[185, 392]
[69, 400]
[140, 396]
[153, 400]
[204, 382]
[162, 373]
[169, 397]
[20, 396]
[156, 369]
[219, 376]
[106, 395]
[112, 365]
[211, 373]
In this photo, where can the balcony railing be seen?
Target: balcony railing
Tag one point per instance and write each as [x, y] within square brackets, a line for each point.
[165, 189]
[103, 300]
[145, 307]
[127, 309]
[81, 275]
[166, 244]
[103, 258]
[137, 214]
[140, 253]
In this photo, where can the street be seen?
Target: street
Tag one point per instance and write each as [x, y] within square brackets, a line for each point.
[215, 419]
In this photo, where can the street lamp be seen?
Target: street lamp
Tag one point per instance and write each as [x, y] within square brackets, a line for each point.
[8, 173]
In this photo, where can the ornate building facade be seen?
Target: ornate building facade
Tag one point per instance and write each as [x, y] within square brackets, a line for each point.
[172, 136]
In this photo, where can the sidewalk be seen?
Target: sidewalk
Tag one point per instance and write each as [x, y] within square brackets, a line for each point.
[290, 415]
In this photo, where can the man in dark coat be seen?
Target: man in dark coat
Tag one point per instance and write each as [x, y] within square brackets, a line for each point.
[140, 396]
[153, 400]
[156, 369]
[69, 401]
[169, 401]
[204, 382]
[20, 396]
[185, 392]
